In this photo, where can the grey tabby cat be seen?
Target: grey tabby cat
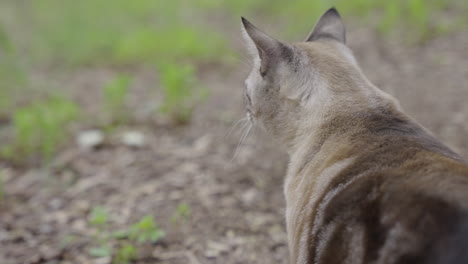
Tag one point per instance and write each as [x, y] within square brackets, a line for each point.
[365, 182]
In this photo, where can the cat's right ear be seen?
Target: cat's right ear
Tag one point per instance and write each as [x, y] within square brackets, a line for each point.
[330, 25]
[262, 47]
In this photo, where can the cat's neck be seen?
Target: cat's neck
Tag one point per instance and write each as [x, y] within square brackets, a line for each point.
[338, 118]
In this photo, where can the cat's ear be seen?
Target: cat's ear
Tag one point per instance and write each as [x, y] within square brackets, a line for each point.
[263, 47]
[330, 25]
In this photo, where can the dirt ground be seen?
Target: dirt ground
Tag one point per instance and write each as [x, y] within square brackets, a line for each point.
[236, 203]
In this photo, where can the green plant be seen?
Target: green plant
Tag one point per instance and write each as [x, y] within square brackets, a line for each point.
[121, 245]
[101, 251]
[99, 218]
[182, 212]
[181, 91]
[146, 230]
[4, 40]
[415, 16]
[120, 31]
[124, 254]
[115, 94]
[67, 240]
[39, 129]
[175, 42]
[390, 17]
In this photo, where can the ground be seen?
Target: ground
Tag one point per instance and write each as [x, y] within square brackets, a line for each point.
[236, 203]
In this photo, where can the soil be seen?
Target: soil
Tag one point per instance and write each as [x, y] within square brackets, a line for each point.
[236, 203]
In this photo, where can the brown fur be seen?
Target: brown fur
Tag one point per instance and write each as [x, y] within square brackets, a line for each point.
[365, 183]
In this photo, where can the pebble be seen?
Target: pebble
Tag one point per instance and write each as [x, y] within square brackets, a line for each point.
[134, 139]
[202, 144]
[90, 139]
[104, 260]
[215, 249]
[56, 204]
[249, 196]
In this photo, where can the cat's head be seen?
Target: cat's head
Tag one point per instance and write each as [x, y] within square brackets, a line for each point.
[292, 84]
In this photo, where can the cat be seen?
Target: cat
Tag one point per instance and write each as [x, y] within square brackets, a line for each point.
[365, 182]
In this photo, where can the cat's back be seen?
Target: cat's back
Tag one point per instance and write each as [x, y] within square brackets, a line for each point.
[388, 217]
[403, 199]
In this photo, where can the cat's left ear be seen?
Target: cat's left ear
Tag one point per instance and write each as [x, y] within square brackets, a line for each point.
[330, 25]
[267, 49]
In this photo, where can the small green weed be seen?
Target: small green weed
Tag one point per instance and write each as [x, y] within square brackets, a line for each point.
[99, 218]
[67, 240]
[181, 91]
[115, 94]
[145, 230]
[182, 212]
[39, 129]
[121, 245]
[125, 254]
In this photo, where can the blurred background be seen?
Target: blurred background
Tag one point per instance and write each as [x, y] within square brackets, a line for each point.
[118, 121]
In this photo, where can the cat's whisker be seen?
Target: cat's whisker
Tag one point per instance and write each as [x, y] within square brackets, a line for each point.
[245, 62]
[243, 58]
[242, 139]
[244, 131]
[255, 130]
[235, 125]
[243, 127]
